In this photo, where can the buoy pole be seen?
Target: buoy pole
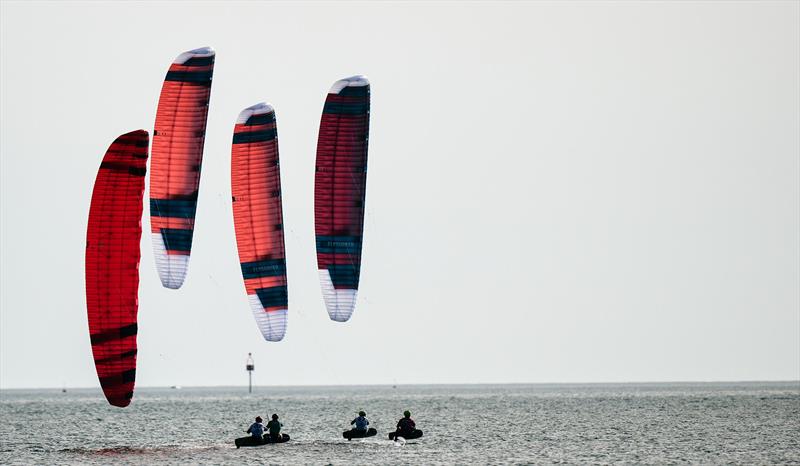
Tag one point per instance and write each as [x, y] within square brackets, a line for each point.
[250, 368]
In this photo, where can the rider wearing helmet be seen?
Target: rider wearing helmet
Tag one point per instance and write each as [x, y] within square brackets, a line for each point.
[361, 422]
[257, 428]
[406, 426]
[274, 427]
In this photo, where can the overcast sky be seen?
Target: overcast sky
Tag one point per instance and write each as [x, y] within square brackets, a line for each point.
[557, 192]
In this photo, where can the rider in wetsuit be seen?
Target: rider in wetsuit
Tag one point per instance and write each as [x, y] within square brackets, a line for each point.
[361, 422]
[274, 427]
[406, 426]
[256, 429]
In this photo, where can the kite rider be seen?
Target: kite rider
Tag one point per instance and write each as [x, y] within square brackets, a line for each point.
[274, 427]
[361, 422]
[406, 426]
[257, 428]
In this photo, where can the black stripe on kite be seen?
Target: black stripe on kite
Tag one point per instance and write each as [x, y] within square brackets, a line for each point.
[342, 108]
[116, 357]
[175, 208]
[114, 334]
[273, 296]
[197, 77]
[265, 268]
[261, 119]
[176, 239]
[354, 91]
[199, 61]
[255, 136]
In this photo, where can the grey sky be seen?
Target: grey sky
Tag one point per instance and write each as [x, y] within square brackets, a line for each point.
[557, 192]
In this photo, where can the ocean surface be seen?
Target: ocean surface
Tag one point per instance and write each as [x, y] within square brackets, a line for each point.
[752, 423]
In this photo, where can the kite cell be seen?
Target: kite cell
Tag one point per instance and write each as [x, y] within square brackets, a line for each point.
[112, 264]
[177, 158]
[339, 192]
[258, 217]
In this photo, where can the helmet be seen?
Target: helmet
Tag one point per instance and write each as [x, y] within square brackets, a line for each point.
[274, 416]
[258, 419]
[407, 413]
[362, 413]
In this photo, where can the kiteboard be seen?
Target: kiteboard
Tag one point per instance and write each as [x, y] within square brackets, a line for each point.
[256, 442]
[353, 433]
[408, 436]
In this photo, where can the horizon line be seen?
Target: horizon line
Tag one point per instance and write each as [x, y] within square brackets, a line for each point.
[662, 382]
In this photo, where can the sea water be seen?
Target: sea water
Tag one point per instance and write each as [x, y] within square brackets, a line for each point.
[754, 423]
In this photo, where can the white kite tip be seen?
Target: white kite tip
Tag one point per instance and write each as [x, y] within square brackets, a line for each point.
[352, 81]
[202, 52]
[260, 108]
